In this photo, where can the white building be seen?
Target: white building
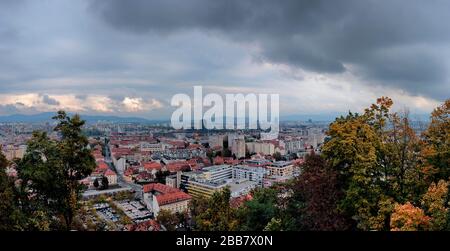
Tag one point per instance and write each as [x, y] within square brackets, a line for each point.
[250, 173]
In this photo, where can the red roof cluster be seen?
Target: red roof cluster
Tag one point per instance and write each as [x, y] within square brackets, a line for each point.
[152, 165]
[176, 144]
[166, 194]
[144, 176]
[118, 152]
[158, 187]
[177, 166]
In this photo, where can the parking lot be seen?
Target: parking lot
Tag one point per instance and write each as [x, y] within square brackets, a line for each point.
[134, 210]
[106, 212]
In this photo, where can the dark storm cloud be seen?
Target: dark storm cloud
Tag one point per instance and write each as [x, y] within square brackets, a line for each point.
[404, 44]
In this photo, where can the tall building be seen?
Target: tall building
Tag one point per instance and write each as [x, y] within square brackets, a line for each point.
[265, 148]
[216, 141]
[232, 137]
[238, 148]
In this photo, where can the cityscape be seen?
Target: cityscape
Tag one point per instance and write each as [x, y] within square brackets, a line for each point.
[224, 123]
[143, 169]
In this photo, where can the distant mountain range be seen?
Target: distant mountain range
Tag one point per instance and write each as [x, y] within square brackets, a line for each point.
[47, 117]
[329, 117]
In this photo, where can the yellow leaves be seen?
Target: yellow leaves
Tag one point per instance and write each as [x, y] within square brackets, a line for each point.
[434, 202]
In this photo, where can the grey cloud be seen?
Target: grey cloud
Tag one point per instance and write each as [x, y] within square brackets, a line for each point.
[48, 100]
[378, 37]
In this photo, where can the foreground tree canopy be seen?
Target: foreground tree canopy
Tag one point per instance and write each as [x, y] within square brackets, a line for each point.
[48, 187]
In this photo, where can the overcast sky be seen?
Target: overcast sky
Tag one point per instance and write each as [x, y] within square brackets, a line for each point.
[130, 57]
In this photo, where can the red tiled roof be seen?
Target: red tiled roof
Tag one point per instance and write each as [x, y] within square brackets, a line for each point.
[144, 176]
[109, 172]
[178, 166]
[116, 152]
[152, 165]
[101, 165]
[168, 198]
[158, 187]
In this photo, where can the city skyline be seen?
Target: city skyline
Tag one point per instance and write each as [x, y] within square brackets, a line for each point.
[92, 57]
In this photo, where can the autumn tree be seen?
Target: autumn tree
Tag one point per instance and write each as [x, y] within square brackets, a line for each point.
[51, 170]
[434, 203]
[317, 193]
[372, 175]
[400, 162]
[352, 152]
[407, 217]
[436, 141]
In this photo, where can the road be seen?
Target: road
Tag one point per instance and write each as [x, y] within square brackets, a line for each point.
[120, 176]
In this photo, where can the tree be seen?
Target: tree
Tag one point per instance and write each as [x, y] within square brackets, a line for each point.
[277, 156]
[210, 155]
[356, 150]
[51, 169]
[96, 184]
[105, 183]
[160, 176]
[436, 150]
[317, 193]
[398, 159]
[168, 220]
[352, 152]
[408, 218]
[197, 205]
[183, 218]
[219, 216]
[226, 152]
[256, 213]
[434, 203]
[11, 217]
[274, 225]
